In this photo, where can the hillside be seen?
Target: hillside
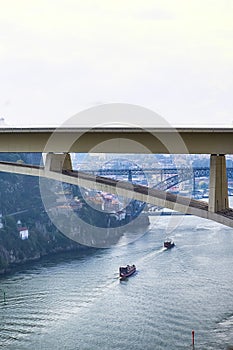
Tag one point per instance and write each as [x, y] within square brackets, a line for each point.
[20, 201]
[27, 231]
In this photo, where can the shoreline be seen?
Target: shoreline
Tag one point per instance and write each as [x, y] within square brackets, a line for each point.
[14, 264]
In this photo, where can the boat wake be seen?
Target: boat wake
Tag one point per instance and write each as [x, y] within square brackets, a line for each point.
[151, 255]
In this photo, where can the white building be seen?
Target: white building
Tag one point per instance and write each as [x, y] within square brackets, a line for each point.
[23, 233]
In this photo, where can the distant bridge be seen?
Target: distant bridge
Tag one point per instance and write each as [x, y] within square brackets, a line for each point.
[191, 171]
[177, 175]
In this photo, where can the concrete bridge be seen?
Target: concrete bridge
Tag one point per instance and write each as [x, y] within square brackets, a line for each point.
[160, 140]
[59, 167]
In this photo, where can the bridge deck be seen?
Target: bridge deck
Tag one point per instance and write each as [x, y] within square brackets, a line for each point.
[145, 139]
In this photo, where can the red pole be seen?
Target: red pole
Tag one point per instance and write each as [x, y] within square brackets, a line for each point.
[192, 337]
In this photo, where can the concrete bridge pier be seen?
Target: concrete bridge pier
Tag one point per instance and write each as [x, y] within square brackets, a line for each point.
[58, 162]
[218, 188]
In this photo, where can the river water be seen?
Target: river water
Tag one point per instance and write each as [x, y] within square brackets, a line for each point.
[75, 301]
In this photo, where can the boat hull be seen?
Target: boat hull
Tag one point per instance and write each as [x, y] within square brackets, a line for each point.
[126, 271]
[169, 245]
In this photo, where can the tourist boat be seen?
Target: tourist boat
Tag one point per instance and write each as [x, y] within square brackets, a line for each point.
[126, 271]
[168, 243]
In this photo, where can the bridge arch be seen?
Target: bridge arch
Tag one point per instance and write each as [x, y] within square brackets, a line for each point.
[152, 196]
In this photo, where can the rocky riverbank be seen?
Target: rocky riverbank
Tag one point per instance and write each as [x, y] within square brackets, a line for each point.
[14, 251]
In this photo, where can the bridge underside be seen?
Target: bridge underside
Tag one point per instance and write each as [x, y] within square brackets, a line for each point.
[59, 167]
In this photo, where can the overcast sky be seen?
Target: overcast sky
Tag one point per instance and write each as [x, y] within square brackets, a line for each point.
[59, 57]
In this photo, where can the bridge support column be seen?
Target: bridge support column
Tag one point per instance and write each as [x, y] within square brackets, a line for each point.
[218, 192]
[58, 162]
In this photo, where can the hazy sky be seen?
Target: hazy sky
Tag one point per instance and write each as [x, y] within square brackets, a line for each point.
[59, 57]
